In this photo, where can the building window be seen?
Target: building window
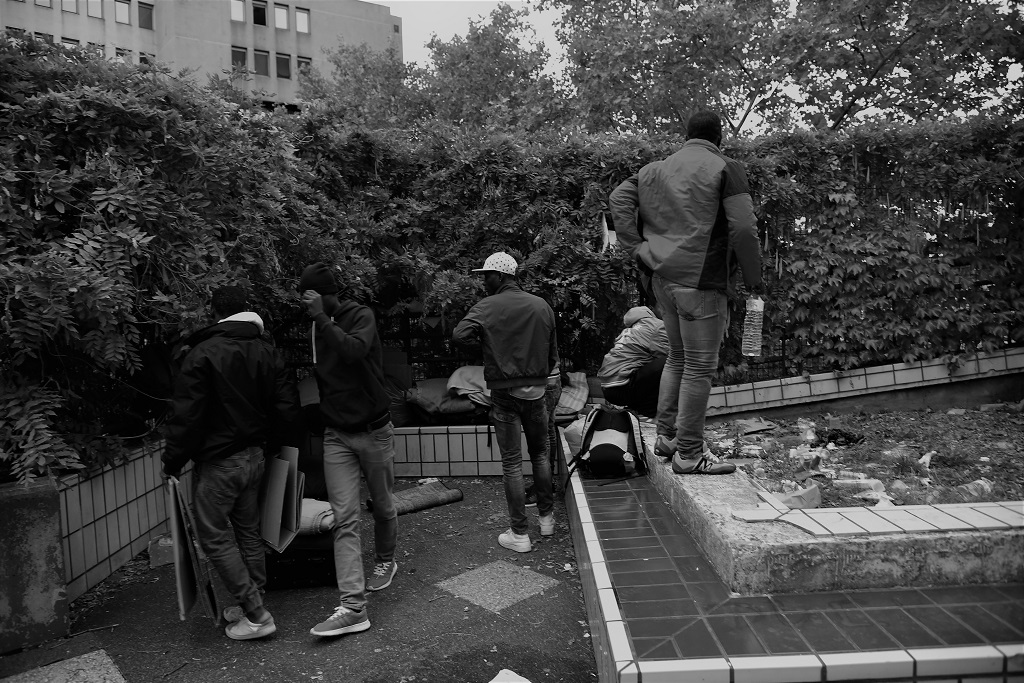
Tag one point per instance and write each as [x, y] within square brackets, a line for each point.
[15, 31]
[94, 8]
[259, 13]
[147, 59]
[69, 6]
[281, 16]
[237, 10]
[261, 62]
[301, 20]
[122, 55]
[303, 63]
[69, 42]
[284, 65]
[145, 16]
[238, 57]
[44, 3]
[45, 37]
[94, 48]
[122, 11]
[397, 28]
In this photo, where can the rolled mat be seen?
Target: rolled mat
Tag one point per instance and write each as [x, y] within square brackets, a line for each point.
[422, 497]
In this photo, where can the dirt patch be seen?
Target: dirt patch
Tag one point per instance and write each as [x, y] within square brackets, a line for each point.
[900, 458]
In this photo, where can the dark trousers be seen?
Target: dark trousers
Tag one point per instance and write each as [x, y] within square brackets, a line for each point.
[640, 394]
[226, 502]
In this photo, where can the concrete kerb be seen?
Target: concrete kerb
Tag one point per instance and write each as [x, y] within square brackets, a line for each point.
[777, 557]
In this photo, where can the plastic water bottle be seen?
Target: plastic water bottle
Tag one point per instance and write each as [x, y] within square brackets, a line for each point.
[752, 325]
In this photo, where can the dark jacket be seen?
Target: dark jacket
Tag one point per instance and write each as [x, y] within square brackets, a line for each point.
[232, 392]
[349, 367]
[516, 332]
[696, 208]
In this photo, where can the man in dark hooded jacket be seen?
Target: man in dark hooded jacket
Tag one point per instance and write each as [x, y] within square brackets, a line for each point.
[231, 397]
[358, 440]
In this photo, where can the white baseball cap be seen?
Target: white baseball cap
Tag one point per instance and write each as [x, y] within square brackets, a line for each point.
[499, 262]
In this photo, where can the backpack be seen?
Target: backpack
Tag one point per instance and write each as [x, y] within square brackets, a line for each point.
[612, 446]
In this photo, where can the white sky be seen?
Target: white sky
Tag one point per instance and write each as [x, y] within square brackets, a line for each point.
[448, 18]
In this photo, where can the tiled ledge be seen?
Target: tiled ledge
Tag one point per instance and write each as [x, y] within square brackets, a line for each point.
[839, 385]
[455, 451]
[829, 549]
[658, 612]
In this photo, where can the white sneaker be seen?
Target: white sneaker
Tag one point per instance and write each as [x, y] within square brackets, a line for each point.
[513, 541]
[547, 525]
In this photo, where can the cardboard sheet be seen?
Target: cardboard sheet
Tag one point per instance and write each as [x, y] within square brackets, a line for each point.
[281, 499]
[191, 575]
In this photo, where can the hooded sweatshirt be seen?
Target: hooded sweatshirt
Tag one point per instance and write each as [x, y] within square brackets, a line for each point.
[642, 340]
[349, 367]
[232, 392]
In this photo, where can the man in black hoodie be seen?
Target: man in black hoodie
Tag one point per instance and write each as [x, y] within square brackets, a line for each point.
[358, 439]
[231, 397]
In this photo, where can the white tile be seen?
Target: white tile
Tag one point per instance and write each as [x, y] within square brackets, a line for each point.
[595, 552]
[609, 605]
[757, 515]
[938, 518]
[945, 661]
[585, 516]
[776, 669]
[601, 577]
[975, 518]
[799, 519]
[627, 672]
[712, 670]
[1014, 654]
[589, 531]
[852, 666]
[618, 641]
[905, 520]
[835, 522]
[870, 522]
[1004, 514]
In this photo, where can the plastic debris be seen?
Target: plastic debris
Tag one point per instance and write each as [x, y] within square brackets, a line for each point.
[754, 425]
[975, 489]
[926, 459]
[802, 499]
[506, 676]
[955, 411]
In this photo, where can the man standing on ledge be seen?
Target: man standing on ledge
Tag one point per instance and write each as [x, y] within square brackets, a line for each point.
[358, 439]
[231, 397]
[516, 332]
[697, 214]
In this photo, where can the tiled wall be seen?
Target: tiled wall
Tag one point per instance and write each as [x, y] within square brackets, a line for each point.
[470, 451]
[834, 385]
[110, 517]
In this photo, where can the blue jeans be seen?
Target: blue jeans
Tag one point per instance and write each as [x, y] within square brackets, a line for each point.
[347, 455]
[695, 322]
[227, 490]
[508, 414]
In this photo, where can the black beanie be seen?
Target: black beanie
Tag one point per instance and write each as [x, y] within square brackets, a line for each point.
[319, 278]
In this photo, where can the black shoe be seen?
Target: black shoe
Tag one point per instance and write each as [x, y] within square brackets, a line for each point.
[531, 498]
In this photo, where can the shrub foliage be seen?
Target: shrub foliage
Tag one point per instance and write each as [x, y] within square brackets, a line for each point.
[129, 194]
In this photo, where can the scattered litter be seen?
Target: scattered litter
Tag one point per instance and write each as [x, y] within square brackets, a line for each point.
[754, 425]
[926, 459]
[802, 499]
[975, 489]
[955, 411]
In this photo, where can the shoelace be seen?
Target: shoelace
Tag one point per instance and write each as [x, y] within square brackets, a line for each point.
[340, 611]
[381, 569]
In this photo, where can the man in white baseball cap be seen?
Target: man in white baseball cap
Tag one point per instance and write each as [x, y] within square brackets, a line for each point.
[516, 333]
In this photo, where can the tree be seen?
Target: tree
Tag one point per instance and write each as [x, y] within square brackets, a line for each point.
[646, 64]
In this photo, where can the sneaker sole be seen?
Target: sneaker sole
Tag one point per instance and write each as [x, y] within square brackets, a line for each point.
[547, 532]
[382, 586]
[354, 628]
[262, 633]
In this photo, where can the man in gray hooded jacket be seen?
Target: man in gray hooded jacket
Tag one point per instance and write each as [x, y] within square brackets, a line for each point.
[631, 371]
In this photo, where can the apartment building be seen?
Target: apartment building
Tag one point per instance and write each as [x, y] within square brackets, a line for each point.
[272, 39]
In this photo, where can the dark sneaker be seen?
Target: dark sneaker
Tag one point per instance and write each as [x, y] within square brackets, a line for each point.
[382, 575]
[531, 497]
[341, 622]
[513, 541]
[233, 614]
[664, 447]
[243, 629]
[708, 463]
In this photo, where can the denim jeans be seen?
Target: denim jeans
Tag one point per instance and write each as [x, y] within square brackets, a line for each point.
[508, 414]
[347, 455]
[695, 322]
[227, 490]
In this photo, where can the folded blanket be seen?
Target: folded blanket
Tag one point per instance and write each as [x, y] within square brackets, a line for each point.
[574, 396]
[468, 381]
